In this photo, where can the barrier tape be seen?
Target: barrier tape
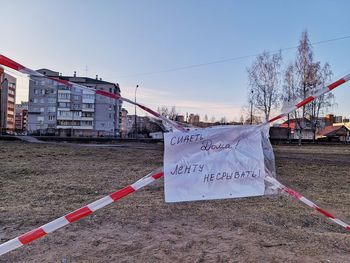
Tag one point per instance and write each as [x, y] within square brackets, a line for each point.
[78, 214]
[113, 197]
[7, 62]
[306, 201]
[319, 91]
[148, 179]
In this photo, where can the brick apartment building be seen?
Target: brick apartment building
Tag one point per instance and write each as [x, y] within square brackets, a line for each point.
[7, 102]
[55, 109]
[21, 118]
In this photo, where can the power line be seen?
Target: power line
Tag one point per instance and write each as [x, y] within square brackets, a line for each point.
[229, 59]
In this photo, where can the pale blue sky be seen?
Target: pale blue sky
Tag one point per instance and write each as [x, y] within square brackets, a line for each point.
[120, 39]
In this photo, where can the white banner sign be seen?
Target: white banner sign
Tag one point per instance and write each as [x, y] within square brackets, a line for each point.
[213, 163]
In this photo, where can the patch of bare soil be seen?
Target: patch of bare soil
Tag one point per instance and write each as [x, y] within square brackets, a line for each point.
[39, 183]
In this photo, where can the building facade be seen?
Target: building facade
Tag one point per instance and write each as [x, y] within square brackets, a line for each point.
[21, 119]
[124, 124]
[7, 102]
[145, 126]
[193, 119]
[56, 109]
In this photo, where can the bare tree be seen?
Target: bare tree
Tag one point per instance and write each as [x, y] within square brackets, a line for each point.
[163, 110]
[168, 113]
[264, 81]
[322, 75]
[241, 119]
[302, 79]
[205, 118]
[303, 73]
[223, 120]
[289, 92]
[250, 115]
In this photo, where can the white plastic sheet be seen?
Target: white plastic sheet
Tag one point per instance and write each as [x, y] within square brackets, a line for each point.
[217, 163]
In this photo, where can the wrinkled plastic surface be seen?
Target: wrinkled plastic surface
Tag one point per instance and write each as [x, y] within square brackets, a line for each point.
[218, 162]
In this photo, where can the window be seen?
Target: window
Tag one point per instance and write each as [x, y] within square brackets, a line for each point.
[76, 114]
[88, 105]
[40, 119]
[87, 114]
[36, 100]
[43, 90]
[51, 100]
[42, 100]
[86, 123]
[110, 90]
[65, 113]
[51, 109]
[42, 109]
[88, 96]
[76, 106]
[64, 104]
[36, 91]
[76, 97]
[51, 117]
[65, 96]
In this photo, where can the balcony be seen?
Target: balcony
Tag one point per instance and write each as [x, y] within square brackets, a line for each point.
[70, 127]
[87, 118]
[88, 109]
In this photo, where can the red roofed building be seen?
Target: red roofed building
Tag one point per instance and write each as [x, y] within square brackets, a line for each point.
[295, 131]
[335, 133]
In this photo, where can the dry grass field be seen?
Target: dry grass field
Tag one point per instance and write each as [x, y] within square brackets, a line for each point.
[40, 182]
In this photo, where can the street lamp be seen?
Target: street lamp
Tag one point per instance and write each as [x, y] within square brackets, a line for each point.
[251, 107]
[135, 112]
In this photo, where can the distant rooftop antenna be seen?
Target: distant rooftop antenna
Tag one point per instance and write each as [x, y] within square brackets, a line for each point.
[75, 74]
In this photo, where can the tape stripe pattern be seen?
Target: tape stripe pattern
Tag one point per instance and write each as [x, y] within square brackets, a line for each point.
[305, 101]
[77, 214]
[10, 63]
[87, 210]
[309, 203]
[5, 61]
[309, 99]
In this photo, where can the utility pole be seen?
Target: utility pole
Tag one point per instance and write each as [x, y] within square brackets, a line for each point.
[135, 112]
[251, 107]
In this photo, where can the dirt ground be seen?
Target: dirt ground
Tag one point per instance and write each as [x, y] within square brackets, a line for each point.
[39, 183]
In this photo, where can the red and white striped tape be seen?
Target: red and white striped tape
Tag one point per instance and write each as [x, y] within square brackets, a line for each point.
[90, 208]
[319, 92]
[78, 214]
[100, 203]
[7, 62]
[306, 201]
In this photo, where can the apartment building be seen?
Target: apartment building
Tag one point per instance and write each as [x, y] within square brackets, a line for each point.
[55, 109]
[124, 124]
[42, 106]
[21, 118]
[7, 102]
[106, 111]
